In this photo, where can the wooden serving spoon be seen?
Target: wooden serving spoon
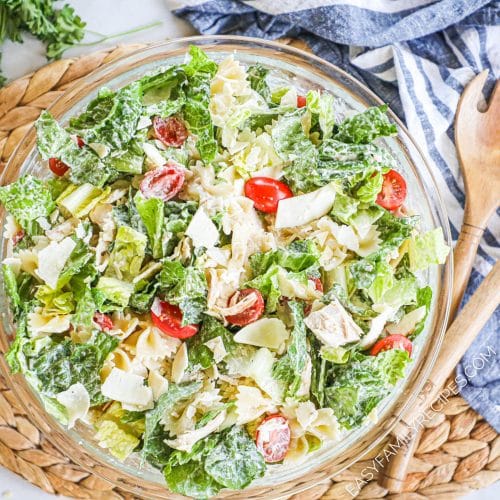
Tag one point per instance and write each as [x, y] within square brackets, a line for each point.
[477, 138]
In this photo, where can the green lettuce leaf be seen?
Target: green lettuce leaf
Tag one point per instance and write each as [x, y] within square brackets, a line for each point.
[354, 389]
[60, 363]
[427, 249]
[227, 459]
[289, 368]
[322, 104]
[111, 118]
[198, 353]
[152, 214]
[298, 256]
[154, 449]
[365, 127]
[178, 215]
[127, 255]
[185, 287]
[54, 142]
[111, 294]
[256, 75]
[294, 147]
[118, 433]
[235, 461]
[26, 200]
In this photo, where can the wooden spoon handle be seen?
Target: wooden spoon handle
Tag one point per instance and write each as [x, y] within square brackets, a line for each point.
[463, 258]
[457, 340]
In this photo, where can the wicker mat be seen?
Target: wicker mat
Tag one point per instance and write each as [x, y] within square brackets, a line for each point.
[458, 451]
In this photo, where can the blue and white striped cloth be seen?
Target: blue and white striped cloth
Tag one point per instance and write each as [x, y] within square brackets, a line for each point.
[417, 55]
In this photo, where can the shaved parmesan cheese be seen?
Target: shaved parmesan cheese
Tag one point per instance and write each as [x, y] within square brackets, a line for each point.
[158, 384]
[127, 388]
[202, 230]
[305, 208]
[76, 400]
[14, 263]
[217, 347]
[180, 363]
[153, 155]
[265, 332]
[101, 149]
[333, 325]
[377, 326]
[52, 258]
[408, 322]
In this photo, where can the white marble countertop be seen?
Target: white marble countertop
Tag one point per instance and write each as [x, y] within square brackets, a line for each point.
[109, 17]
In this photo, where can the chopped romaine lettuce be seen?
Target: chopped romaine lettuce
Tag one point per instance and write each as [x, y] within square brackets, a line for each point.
[185, 287]
[427, 249]
[290, 367]
[365, 127]
[26, 200]
[111, 294]
[128, 253]
[54, 142]
[152, 214]
[355, 388]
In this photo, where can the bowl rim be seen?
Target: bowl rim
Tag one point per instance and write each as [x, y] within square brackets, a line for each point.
[105, 468]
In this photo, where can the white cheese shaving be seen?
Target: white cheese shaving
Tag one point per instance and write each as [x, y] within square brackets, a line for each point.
[158, 384]
[127, 388]
[302, 209]
[407, 323]
[52, 258]
[202, 231]
[216, 345]
[153, 155]
[76, 400]
[265, 332]
[377, 326]
[180, 363]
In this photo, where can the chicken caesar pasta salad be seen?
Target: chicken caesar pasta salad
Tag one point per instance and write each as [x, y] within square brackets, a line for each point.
[220, 276]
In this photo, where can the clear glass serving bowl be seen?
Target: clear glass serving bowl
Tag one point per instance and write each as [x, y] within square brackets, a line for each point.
[306, 72]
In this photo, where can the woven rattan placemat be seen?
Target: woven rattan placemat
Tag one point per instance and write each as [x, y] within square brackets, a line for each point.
[458, 451]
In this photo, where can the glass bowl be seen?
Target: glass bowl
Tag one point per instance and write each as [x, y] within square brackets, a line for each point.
[307, 72]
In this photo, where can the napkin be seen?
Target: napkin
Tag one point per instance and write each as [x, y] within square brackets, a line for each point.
[417, 55]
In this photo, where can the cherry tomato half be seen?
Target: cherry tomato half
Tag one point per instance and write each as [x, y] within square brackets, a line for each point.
[392, 342]
[57, 166]
[172, 131]
[393, 191]
[252, 313]
[273, 438]
[301, 101]
[168, 318]
[317, 284]
[105, 323]
[18, 236]
[163, 182]
[80, 142]
[266, 193]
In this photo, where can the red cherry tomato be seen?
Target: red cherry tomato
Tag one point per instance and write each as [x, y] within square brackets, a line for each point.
[57, 166]
[18, 237]
[393, 191]
[266, 193]
[252, 313]
[392, 342]
[172, 131]
[163, 182]
[168, 318]
[301, 101]
[80, 142]
[317, 284]
[105, 323]
[273, 438]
